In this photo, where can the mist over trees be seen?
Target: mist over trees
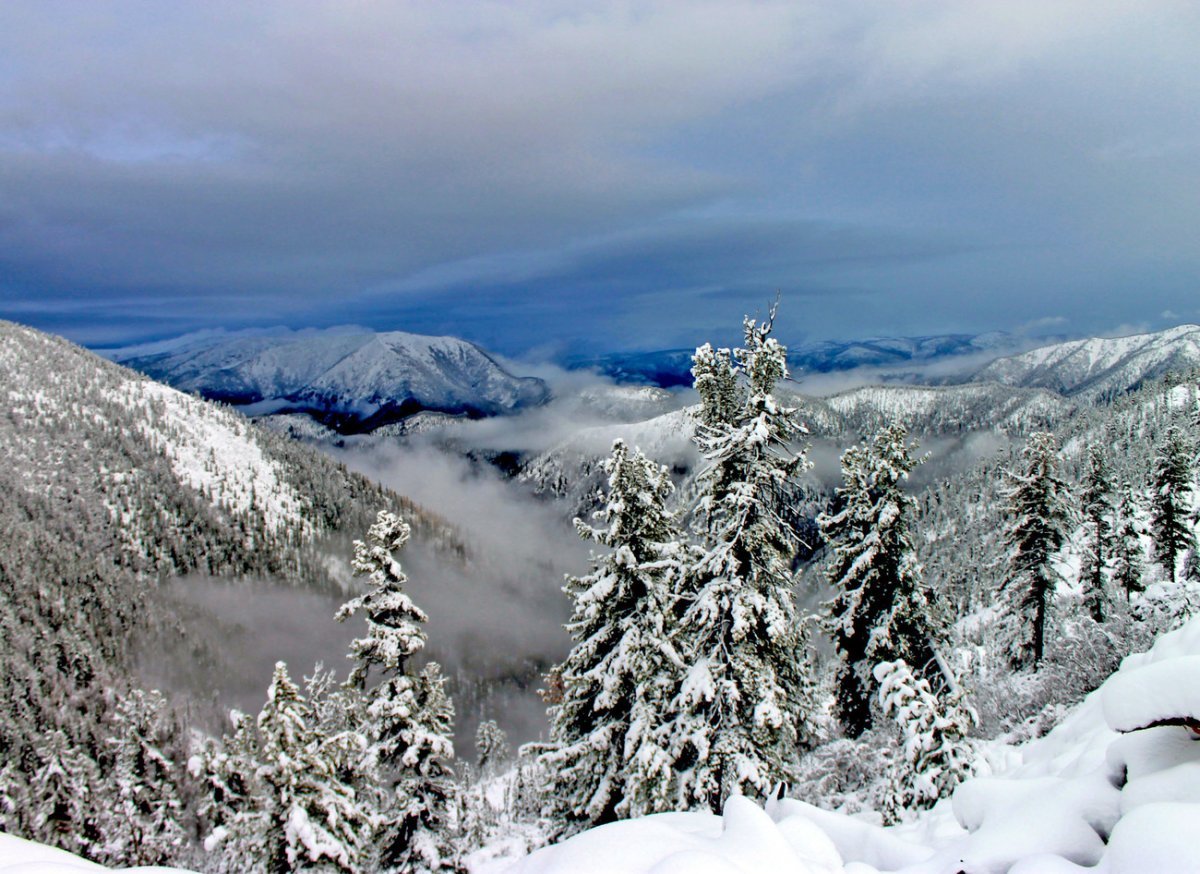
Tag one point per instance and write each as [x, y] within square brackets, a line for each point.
[698, 670]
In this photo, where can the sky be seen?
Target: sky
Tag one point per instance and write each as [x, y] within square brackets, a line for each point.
[551, 178]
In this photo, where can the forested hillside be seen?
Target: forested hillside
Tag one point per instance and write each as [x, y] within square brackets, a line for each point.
[110, 484]
[872, 641]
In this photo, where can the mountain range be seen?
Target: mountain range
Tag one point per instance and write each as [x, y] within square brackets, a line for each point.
[352, 380]
[672, 367]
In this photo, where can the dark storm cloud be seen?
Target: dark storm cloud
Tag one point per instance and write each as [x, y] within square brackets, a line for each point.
[441, 166]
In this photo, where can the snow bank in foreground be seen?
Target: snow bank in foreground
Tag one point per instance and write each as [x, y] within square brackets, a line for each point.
[1084, 797]
[19, 856]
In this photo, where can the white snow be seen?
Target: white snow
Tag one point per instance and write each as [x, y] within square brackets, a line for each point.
[1083, 795]
[18, 856]
[1153, 693]
[212, 451]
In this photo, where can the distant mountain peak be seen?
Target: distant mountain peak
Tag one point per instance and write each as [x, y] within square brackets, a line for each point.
[352, 379]
[1099, 367]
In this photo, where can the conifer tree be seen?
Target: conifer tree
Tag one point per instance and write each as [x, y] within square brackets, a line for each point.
[739, 709]
[1097, 509]
[410, 718]
[605, 761]
[311, 818]
[62, 795]
[1039, 515]
[232, 805]
[881, 611]
[1128, 556]
[140, 814]
[935, 753]
[1170, 524]
[491, 745]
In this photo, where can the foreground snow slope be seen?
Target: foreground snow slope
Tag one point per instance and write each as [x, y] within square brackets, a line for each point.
[18, 856]
[1084, 797]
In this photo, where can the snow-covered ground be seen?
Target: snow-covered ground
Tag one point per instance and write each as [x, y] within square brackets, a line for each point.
[18, 856]
[1084, 797]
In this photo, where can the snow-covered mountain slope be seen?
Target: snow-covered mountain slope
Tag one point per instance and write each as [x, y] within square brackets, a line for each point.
[933, 411]
[1099, 368]
[1085, 797]
[178, 482]
[352, 379]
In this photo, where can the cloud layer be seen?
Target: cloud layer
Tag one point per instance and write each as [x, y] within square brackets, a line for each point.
[572, 173]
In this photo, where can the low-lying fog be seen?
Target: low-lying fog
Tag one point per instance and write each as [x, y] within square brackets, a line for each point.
[495, 620]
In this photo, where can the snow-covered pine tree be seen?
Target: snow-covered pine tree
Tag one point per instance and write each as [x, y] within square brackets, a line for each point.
[740, 714]
[140, 815]
[312, 820]
[1171, 525]
[62, 795]
[232, 804]
[606, 762]
[935, 753]
[1128, 555]
[714, 376]
[881, 610]
[409, 716]
[1097, 507]
[491, 745]
[1039, 510]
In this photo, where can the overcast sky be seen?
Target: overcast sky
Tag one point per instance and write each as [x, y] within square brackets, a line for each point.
[552, 175]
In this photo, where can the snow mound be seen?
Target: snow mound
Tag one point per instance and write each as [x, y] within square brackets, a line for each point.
[1154, 694]
[19, 856]
[1083, 798]
[746, 840]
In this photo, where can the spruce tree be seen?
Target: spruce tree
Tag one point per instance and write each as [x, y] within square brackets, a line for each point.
[491, 746]
[1171, 526]
[1039, 517]
[740, 714]
[140, 815]
[1097, 508]
[410, 718]
[62, 795]
[312, 820]
[606, 762]
[935, 753]
[1128, 555]
[232, 804]
[881, 610]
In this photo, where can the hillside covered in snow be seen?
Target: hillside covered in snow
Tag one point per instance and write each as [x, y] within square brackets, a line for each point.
[351, 379]
[1100, 368]
[972, 751]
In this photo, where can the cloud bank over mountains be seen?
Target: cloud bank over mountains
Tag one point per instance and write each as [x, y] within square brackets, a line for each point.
[545, 173]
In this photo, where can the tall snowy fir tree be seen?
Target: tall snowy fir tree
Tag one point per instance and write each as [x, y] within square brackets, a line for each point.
[1039, 511]
[743, 708]
[1171, 525]
[881, 609]
[140, 819]
[312, 820]
[410, 717]
[62, 795]
[607, 762]
[1096, 504]
[1127, 552]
